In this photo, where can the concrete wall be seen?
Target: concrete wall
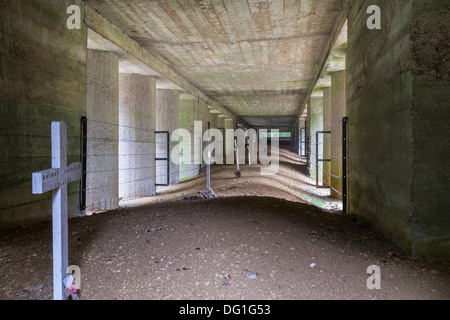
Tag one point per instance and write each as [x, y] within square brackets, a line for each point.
[102, 179]
[398, 107]
[338, 112]
[137, 116]
[168, 119]
[42, 79]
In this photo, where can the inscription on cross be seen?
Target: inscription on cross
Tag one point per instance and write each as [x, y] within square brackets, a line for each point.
[56, 180]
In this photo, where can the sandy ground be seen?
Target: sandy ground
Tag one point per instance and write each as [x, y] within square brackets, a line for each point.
[257, 239]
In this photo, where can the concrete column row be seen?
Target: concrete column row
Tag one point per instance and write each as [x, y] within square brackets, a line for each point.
[125, 113]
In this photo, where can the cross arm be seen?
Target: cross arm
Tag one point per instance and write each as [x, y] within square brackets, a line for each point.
[44, 181]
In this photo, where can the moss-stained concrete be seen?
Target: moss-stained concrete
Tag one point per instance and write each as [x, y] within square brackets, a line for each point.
[42, 79]
[168, 119]
[397, 101]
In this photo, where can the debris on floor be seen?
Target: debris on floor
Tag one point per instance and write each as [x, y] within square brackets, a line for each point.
[252, 277]
[207, 195]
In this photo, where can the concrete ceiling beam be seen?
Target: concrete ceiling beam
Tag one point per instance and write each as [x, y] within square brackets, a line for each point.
[140, 60]
[346, 7]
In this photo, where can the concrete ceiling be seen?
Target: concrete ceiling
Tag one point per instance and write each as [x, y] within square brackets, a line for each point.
[259, 59]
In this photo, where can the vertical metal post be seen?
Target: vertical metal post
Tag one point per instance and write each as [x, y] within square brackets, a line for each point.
[344, 165]
[83, 162]
[317, 159]
[168, 158]
[208, 163]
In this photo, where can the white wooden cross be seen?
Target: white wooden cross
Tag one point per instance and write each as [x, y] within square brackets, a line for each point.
[57, 179]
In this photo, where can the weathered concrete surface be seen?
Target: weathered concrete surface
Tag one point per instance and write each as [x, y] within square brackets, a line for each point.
[42, 79]
[316, 145]
[430, 114]
[257, 58]
[327, 106]
[221, 123]
[214, 119]
[107, 36]
[190, 111]
[229, 150]
[338, 112]
[102, 179]
[302, 136]
[397, 104]
[308, 132]
[168, 119]
[137, 121]
[379, 97]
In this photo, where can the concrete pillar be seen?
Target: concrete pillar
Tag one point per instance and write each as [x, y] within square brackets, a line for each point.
[102, 180]
[430, 113]
[192, 109]
[326, 137]
[136, 136]
[214, 120]
[221, 126]
[338, 103]
[203, 115]
[221, 123]
[308, 133]
[294, 137]
[230, 124]
[302, 136]
[398, 118]
[316, 146]
[168, 119]
[40, 83]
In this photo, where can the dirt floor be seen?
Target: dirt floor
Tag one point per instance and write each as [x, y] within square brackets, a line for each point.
[257, 239]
